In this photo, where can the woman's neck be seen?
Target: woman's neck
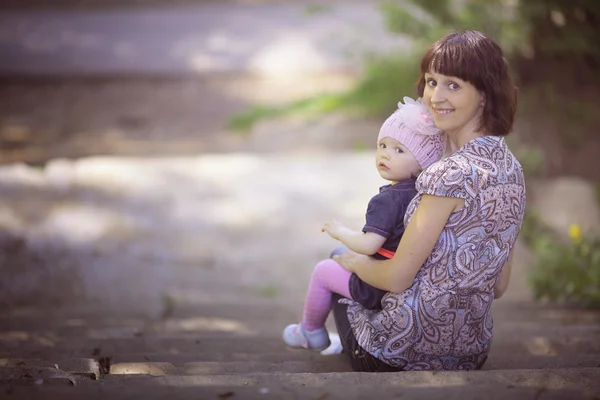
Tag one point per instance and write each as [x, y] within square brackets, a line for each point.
[461, 136]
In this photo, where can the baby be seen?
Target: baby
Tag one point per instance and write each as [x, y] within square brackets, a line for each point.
[408, 142]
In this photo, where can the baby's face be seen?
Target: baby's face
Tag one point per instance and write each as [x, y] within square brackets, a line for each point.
[395, 162]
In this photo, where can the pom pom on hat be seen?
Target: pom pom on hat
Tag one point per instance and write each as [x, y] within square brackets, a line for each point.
[412, 125]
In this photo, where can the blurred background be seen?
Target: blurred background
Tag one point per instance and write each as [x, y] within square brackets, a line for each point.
[166, 167]
[155, 153]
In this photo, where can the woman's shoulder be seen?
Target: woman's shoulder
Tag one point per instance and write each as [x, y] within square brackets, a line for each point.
[479, 164]
[479, 155]
[445, 178]
[451, 173]
[489, 156]
[452, 164]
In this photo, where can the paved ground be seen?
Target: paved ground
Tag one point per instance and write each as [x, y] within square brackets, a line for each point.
[148, 81]
[42, 120]
[145, 4]
[280, 38]
[174, 277]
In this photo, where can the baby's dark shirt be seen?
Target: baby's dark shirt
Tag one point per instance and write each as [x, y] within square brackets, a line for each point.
[385, 213]
[385, 217]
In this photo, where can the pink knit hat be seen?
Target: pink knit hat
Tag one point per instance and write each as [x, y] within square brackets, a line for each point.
[412, 125]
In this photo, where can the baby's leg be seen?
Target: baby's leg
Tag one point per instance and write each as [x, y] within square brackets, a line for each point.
[328, 277]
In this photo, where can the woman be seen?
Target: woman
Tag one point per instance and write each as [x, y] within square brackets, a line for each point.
[456, 253]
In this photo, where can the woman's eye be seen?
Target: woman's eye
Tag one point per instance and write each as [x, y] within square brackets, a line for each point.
[453, 86]
[431, 82]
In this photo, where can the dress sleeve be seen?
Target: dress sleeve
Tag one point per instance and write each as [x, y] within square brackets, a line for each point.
[384, 213]
[444, 179]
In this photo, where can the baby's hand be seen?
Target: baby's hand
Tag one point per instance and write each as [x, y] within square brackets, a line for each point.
[333, 228]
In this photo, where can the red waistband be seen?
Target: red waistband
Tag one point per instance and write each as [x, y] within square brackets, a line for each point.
[386, 253]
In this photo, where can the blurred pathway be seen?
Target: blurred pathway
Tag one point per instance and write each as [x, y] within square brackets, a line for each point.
[232, 38]
[173, 277]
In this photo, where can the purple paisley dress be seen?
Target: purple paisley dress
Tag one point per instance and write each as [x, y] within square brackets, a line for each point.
[443, 321]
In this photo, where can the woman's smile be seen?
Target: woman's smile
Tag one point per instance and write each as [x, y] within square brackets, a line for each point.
[441, 111]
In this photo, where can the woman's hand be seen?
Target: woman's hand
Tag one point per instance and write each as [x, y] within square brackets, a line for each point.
[349, 259]
[423, 231]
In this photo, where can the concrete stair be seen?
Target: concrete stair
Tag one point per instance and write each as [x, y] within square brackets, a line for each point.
[194, 354]
[218, 334]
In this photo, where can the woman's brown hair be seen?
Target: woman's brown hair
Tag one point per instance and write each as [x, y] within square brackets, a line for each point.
[473, 57]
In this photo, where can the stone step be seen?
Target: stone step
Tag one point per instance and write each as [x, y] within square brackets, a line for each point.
[297, 364]
[536, 343]
[548, 384]
[87, 367]
[291, 361]
[261, 316]
[587, 378]
[260, 355]
[497, 359]
[317, 365]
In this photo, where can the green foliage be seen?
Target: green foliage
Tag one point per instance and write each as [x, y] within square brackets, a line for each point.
[242, 122]
[388, 78]
[361, 146]
[384, 82]
[564, 28]
[401, 20]
[563, 272]
[438, 17]
[314, 9]
[523, 29]
[567, 272]
[533, 228]
[531, 158]
[318, 104]
[570, 115]
[168, 306]
[268, 291]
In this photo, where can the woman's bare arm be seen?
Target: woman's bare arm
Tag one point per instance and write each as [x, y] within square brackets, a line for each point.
[423, 231]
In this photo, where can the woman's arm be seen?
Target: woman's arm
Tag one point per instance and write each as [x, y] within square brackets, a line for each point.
[423, 231]
[360, 242]
[504, 278]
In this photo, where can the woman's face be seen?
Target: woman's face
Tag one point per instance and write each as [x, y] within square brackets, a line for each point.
[453, 103]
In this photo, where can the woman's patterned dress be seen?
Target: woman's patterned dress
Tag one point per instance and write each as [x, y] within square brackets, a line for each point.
[443, 320]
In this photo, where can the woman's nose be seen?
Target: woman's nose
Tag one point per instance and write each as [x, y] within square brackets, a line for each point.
[437, 96]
